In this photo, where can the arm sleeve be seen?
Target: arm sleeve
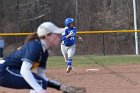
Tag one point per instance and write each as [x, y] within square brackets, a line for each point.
[28, 76]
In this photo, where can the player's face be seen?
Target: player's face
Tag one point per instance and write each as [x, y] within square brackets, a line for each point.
[72, 24]
[52, 39]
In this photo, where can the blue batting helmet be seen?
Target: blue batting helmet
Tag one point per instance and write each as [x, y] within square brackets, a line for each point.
[68, 21]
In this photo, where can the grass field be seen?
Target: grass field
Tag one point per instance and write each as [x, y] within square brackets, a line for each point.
[91, 60]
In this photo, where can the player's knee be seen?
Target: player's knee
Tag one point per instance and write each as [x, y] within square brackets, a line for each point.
[69, 58]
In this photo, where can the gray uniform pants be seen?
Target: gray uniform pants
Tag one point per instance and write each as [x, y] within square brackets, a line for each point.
[68, 51]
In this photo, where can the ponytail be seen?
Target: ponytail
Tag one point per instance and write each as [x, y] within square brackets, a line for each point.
[31, 37]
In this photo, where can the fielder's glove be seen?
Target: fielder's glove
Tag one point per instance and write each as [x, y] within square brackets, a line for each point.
[71, 89]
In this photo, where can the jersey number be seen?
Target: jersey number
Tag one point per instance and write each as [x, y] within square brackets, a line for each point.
[71, 38]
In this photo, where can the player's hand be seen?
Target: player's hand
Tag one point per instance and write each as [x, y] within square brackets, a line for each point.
[71, 33]
[80, 38]
[43, 91]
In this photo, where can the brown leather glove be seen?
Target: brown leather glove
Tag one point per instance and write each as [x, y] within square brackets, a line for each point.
[71, 89]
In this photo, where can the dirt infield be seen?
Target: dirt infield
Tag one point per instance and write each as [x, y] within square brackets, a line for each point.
[112, 79]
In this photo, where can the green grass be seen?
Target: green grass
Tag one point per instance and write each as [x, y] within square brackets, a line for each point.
[90, 60]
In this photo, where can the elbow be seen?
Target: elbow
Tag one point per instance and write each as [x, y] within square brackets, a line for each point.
[64, 37]
[25, 68]
[24, 71]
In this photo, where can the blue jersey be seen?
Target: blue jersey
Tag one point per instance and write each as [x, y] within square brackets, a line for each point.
[31, 52]
[72, 39]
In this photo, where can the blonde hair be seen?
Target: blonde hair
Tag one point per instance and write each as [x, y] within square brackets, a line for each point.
[34, 36]
[31, 37]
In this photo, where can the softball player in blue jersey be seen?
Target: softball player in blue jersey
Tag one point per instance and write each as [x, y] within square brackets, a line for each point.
[16, 69]
[68, 42]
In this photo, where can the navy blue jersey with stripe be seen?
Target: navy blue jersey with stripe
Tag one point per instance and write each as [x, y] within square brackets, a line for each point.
[72, 39]
[31, 52]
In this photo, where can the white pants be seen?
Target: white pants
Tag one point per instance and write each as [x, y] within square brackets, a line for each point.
[68, 52]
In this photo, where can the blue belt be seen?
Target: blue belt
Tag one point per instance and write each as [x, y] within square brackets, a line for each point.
[67, 45]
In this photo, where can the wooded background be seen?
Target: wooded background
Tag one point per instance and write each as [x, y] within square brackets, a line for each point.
[27, 15]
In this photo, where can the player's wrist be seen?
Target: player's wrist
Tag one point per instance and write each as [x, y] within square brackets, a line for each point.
[38, 89]
[54, 84]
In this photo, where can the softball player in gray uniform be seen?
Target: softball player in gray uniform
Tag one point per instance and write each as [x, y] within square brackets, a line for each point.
[16, 69]
[68, 38]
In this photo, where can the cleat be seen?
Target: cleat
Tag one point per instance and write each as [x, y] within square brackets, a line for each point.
[69, 68]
